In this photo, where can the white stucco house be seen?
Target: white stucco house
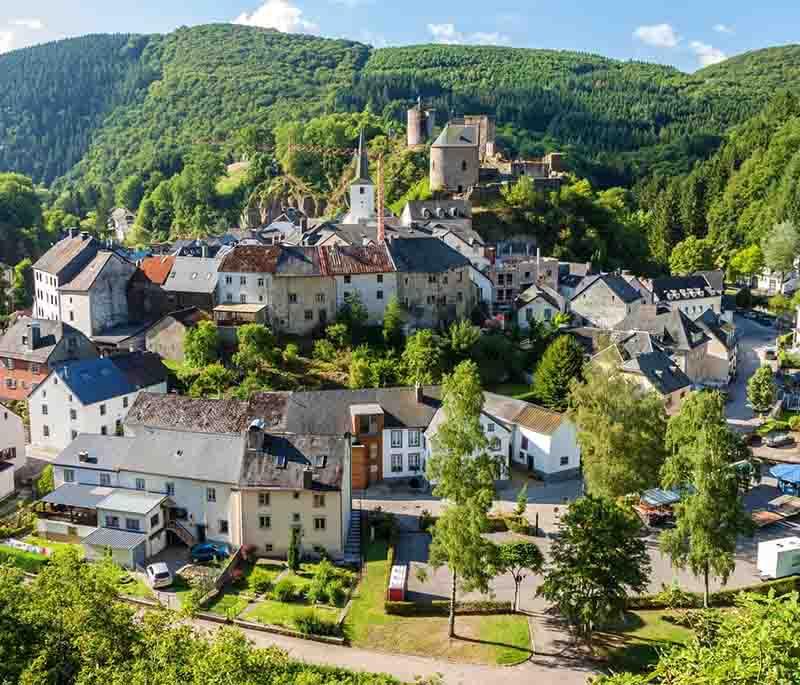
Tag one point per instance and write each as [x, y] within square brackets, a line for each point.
[538, 303]
[91, 396]
[12, 449]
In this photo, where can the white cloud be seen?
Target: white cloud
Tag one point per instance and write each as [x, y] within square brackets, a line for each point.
[6, 41]
[447, 34]
[280, 15]
[707, 54]
[723, 28]
[657, 35]
[32, 24]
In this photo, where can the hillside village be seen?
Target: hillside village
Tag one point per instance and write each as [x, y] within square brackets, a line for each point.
[309, 402]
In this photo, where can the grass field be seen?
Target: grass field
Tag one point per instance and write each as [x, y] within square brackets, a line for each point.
[27, 561]
[228, 604]
[635, 643]
[52, 545]
[500, 639]
[274, 613]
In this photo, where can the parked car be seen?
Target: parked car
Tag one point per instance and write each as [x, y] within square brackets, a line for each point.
[208, 551]
[159, 575]
[780, 440]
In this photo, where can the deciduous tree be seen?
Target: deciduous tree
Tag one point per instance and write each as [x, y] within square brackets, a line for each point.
[781, 246]
[519, 559]
[422, 358]
[201, 344]
[761, 389]
[393, 324]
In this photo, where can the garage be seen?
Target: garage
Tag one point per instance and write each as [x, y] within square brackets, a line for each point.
[127, 549]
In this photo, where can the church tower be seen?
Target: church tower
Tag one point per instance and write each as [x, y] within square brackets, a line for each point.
[362, 190]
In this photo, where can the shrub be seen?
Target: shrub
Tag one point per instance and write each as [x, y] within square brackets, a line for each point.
[284, 590]
[794, 423]
[517, 524]
[673, 597]
[384, 523]
[329, 584]
[311, 623]
[290, 354]
[441, 607]
[426, 520]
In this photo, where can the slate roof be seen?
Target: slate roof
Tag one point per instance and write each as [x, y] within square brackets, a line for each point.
[659, 370]
[88, 275]
[356, 259]
[457, 135]
[432, 210]
[51, 333]
[682, 288]
[65, 252]
[114, 538]
[671, 327]
[266, 469]
[425, 255]
[193, 275]
[298, 261]
[156, 269]
[464, 232]
[715, 278]
[570, 280]
[709, 322]
[618, 285]
[544, 292]
[189, 317]
[178, 412]
[97, 380]
[209, 457]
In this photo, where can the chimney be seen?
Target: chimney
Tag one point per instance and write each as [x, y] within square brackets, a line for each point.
[34, 335]
[308, 478]
[204, 251]
[419, 393]
[83, 457]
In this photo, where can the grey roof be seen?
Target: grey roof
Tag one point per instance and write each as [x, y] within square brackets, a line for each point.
[682, 288]
[68, 255]
[50, 332]
[76, 495]
[169, 453]
[457, 135]
[119, 334]
[461, 229]
[327, 412]
[441, 210]
[114, 538]
[425, 255]
[709, 322]
[132, 501]
[544, 292]
[193, 275]
[715, 278]
[96, 380]
[298, 261]
[178, 412]
[84, 280]
[671, 327]
[660, 370]
[284, 459]
[618, 285]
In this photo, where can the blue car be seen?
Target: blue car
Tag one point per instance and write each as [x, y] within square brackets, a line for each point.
[208, 551]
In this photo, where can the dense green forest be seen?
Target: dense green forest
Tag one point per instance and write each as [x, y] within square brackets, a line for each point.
[124, 104]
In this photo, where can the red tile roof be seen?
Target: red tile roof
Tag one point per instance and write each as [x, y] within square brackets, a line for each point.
[356, 259]
[157, 269]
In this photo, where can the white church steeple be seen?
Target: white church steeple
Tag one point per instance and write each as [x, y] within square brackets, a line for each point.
[362, 190]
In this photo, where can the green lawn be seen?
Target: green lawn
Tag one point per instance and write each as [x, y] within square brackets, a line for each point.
[635, 643]
[228, 604]
[509, 389]
[500, 639]
[27, 561]
[53, 545]
[274, 613]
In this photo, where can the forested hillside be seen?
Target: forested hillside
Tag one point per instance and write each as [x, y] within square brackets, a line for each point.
[125, 104]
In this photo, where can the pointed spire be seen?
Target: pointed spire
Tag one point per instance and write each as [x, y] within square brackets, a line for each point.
[362, 163]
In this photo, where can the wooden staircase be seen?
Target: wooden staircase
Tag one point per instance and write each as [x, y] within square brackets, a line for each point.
[182, 532]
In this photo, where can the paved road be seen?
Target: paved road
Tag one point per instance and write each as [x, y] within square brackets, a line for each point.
[544, 670]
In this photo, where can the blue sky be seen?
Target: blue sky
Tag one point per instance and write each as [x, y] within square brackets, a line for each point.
[686, 34]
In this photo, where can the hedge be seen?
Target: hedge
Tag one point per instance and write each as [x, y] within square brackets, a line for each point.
[722, 598]
[441, 607]
[27, 561]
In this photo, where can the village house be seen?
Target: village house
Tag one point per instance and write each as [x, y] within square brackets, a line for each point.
[166, 336]
[433, 281]
[604, 300]
[12, 449]
[120, 223]
[363, 272]
[147, 298]
[31, 348]
[722, 352]
[58, 266]
[192, 282]
[96, 299]
[91, 396]
[771, 282]
[513, 275]
[540, 303]
[692, 295]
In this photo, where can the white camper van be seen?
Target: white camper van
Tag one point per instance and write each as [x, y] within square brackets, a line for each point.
[778, 558]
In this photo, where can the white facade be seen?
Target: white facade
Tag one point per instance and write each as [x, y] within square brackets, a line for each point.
[244, 288]
[483, 284]
[405, 452]
[539, 309]
[57, 416]
[695, 308]
[362, 204]
[12, 438]
[548, 455]
[151, 524]
[47, 299]
[374, 291]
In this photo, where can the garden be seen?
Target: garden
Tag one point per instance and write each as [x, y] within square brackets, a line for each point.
[308, 599]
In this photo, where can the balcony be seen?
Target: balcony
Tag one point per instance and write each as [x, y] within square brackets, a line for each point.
[63, 514]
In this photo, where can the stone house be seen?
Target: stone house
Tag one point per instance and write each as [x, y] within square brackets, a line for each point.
[31, 348]
[91, 396]
[721, 358]
[433, 281]
[120, 222]
[147, 297]
[59, 265]
[455, 159]
[192, 282]
[97, 298]
[604, 300]
[513, 275]
[366, 272]
[692, 295]
[166, 336]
